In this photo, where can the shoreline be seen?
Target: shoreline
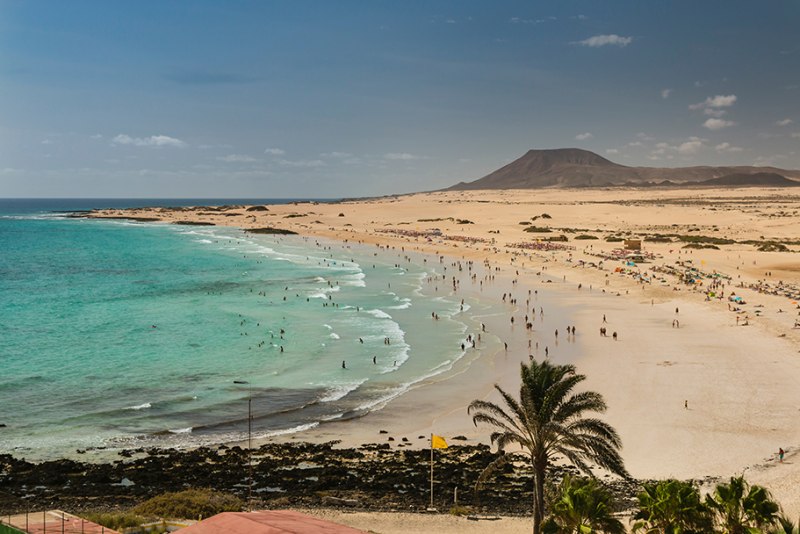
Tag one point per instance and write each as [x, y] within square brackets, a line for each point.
[647, 374]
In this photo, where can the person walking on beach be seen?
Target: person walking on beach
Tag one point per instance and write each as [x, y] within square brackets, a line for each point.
[344, 366]
[780, 454]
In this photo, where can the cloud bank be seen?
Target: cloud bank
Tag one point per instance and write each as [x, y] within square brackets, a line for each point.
[606, 40]
[152, 141]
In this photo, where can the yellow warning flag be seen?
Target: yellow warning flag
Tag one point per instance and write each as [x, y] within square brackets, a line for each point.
[438, 442]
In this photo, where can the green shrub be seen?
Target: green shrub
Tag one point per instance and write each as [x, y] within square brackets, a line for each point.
[190, 504]
[700, 245]
[116, 520]
[613, 239]
[706, 239]
[772, 246]
[538, 229]
[459, 510]
[586, 236]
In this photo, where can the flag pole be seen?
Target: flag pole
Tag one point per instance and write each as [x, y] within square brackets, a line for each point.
[431, 470]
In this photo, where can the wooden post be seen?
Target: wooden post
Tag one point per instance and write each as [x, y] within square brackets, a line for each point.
[431, 470]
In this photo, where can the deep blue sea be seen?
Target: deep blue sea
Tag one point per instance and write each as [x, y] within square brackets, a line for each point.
[119, 334]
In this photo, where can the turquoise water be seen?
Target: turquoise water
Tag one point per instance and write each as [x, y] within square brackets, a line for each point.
[117, 334]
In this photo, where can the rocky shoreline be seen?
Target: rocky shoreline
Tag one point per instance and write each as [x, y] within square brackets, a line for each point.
[373, 477]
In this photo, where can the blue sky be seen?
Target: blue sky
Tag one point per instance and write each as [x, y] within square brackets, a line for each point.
[350, 98]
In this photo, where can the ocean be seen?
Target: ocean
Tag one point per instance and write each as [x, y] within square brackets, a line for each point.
[117, 334]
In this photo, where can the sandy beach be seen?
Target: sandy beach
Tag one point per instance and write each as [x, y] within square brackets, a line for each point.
[699, 386]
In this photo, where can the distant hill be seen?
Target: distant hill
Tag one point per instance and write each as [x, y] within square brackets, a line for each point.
[766, 179]
[574, 167]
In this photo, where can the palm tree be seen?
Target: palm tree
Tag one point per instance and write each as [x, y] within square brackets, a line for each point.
[584, 506]
[741, 508]
[784, 525]
[548, 420]
[671, 507]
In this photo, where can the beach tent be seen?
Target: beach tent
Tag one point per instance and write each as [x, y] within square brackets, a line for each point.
[267, 522]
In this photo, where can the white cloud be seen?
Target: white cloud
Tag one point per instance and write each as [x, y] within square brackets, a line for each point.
[237, 158]
[717, 124]
[784, 122]
[713, 112]
[156, 141]
[692, 146]
[795, 135]
[665, 93]
[605, 40]
[400, 156]
[450, 21]
[721, 101]
[687, 148]
[336, 155]
[584, 136]
[634, 143]
[302, 163]
[519, 20]
[274, 151]
[612, 151]
[718, 101]
[727, 147]
[644, 137]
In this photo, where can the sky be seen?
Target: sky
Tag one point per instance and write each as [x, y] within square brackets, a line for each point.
[331, 99]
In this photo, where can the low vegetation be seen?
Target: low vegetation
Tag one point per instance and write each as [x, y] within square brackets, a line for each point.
[116, 520]
[700, 246]
[586, 236]
[538, 229]
[189, 504]
[270, 230]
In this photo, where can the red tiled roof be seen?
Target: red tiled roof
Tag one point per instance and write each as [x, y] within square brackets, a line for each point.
[267, 522]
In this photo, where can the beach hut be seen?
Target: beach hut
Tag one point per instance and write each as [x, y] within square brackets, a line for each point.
[633, 244]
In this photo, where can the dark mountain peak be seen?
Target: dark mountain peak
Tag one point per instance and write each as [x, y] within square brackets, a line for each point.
[574, 167]
[548, 158]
